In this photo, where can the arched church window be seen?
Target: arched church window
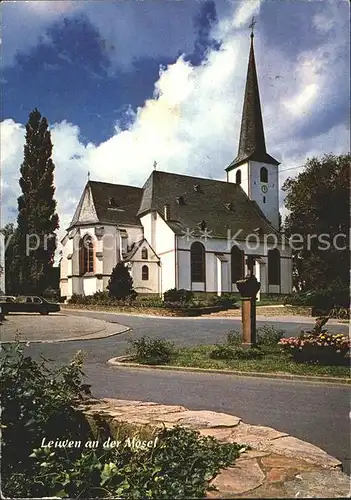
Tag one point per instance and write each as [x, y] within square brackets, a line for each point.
[264, 174]
[237, 264]
[197, 262]
[145, 273]
[274, 267]
[238, 177]
[86, 251]
[144, 254]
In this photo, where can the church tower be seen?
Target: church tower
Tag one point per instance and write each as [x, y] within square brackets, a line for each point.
[253, 168]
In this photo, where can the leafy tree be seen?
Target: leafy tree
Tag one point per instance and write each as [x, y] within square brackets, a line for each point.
[120, 285]
[37, 217]
[318, 200]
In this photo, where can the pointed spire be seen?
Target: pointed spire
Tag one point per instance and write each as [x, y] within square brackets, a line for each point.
[252, 145]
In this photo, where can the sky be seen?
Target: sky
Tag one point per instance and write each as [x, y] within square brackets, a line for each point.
[126, 83]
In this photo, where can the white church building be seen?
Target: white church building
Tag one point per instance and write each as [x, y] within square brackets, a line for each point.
[179, 231]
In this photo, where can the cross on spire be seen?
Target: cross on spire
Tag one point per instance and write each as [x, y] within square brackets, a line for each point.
[155, 165]
[252, 145]
[252, 25]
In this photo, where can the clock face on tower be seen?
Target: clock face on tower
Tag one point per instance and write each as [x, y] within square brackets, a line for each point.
[264, 189]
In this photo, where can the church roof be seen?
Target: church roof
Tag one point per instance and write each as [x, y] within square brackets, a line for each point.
[113, 203]
[252, 145]
[195, 203]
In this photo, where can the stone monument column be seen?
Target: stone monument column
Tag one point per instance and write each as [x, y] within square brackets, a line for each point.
[248, 288]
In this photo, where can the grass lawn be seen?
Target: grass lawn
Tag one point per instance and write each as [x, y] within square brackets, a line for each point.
[275, 362]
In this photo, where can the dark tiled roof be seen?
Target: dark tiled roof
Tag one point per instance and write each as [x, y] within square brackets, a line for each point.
[208, 204]
[252, 144]
[128, 255]
[127, 199]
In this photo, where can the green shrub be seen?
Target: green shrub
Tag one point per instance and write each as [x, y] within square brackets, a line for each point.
[182, 295]
[77, 299]
[179, 467]
[266, 335]
[234, 338]
[223, 351]
[152, 301]
[38, 402]
[101, 298]
[151, 351]
[52, 294]
[322, 300]
[222, 300]
[120, 285]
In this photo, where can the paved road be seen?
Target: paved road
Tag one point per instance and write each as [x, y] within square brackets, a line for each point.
[190, 331]
[315, 413]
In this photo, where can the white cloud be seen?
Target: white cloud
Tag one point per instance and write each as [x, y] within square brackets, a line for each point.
[128, 30]
[302, 102]
[191, 124]
[245, 11]
[323, 22]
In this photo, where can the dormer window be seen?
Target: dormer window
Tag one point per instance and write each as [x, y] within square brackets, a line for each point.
[229, 206]
[180, 200]
[197, 188]
[112, 202]
[144, 254]
[203, 225]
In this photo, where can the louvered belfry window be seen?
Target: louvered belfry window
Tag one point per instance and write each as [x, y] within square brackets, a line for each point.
[264, 174]
[197, 256]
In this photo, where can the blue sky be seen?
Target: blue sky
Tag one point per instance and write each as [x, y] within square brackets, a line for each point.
[124, 84]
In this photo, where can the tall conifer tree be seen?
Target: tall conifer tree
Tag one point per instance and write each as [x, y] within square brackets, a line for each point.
[37, 218]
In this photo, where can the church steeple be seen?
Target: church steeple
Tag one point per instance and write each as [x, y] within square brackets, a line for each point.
[252, 145]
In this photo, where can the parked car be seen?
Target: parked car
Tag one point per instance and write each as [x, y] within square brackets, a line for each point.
[27, 303]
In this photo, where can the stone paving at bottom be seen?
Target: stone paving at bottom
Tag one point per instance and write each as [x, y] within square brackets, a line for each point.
[277, 466]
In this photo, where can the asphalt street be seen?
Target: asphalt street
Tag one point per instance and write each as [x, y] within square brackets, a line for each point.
[317, 413]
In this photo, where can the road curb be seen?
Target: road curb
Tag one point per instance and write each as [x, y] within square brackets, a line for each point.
[90, 336]
[119, 361]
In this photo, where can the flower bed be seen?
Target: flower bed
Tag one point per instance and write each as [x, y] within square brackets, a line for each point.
[324, 348]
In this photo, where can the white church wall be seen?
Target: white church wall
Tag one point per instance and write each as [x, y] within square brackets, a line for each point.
[110, 249]
[89, 285]
[152, 284]
[211, 272]
[286, 275]
[164, 246]
[244, 169]
[147, 225]
[135, 233]
[184, 270]
[213, 246]
[145, 286]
